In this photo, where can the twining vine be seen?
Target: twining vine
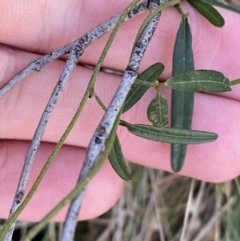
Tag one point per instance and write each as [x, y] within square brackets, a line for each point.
[104, 143]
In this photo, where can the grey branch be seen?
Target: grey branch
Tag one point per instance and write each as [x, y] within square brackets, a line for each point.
[86, 40]
[76, 49]
[105, 127]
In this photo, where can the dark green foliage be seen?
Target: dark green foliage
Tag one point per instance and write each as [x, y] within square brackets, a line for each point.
[182, 101]
[158, 110]
[222, 5]
[170, 135]
[200, 80]
[209, 12]
[150, 75]
[118, 162]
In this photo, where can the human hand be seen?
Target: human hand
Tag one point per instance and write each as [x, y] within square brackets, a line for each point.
[30, 29]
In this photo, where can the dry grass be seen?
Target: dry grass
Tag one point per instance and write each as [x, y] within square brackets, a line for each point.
[161, 206]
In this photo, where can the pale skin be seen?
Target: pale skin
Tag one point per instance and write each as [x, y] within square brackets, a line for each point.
[30, 29]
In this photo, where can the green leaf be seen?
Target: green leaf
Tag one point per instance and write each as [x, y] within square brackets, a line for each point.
[182, 101]
[170, 135]
[183, 55]
[210, 13]
[158, 110]
[222, 5]
[200, 80]
[118, 162]
[150, 75]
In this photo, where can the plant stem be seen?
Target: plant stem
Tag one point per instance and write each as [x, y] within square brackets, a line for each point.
[69, 66]
[86, 40]
[105, 127]
[45, 168]
[178, 8]
[235, 82]
[80, 186]
[99, 101]
[77, 49]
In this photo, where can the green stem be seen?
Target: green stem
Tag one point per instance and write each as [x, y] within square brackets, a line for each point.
[79, 187]
[45, 168]
[235, 82]
[92, 81]
[109, 42]
[69, 128]
[178, 8]
[99, 101]
[153, 13]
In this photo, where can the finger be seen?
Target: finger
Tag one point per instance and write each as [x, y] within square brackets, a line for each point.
[22, 107]
[102, 192]
[28, 99]
[46, 26]
[46, 21]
